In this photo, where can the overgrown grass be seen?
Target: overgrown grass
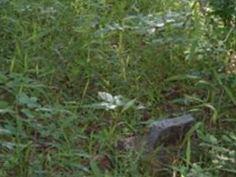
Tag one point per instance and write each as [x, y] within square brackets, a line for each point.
[166, 55]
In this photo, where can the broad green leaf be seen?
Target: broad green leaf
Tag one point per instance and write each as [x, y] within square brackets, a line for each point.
[30, 102]
[128, 105]
[183, 77]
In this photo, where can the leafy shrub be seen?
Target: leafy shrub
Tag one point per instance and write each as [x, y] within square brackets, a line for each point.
[225, 9]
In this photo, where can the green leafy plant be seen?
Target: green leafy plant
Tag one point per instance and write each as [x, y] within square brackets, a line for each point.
[225, 9]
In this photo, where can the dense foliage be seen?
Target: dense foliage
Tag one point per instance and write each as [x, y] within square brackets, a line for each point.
[145, 61]
[226, 9]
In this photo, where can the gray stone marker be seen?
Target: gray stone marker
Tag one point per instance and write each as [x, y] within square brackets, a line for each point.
[162, 132]
[168, 131]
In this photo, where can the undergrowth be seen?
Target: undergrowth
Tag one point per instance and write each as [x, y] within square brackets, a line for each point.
[165, 58]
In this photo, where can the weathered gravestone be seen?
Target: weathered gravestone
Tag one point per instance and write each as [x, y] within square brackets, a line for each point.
[168, 131]
[162, 132]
